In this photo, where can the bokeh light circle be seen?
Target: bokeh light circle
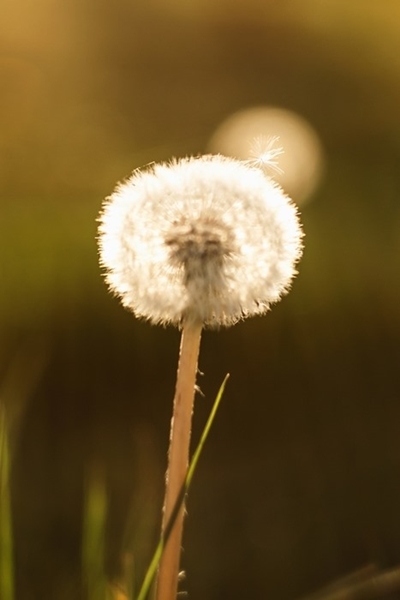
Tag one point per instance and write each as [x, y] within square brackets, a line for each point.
[301, 162]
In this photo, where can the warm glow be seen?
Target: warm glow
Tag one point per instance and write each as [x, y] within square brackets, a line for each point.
[298, 168]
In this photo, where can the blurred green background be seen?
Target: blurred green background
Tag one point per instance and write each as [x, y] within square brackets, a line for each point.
[300, 480]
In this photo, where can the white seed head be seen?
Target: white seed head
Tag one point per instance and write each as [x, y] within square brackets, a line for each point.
[206, 239]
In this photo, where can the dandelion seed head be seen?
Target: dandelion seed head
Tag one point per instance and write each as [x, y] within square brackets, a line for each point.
[206, 239]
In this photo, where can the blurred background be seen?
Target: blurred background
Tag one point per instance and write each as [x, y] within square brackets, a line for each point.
[300, 480]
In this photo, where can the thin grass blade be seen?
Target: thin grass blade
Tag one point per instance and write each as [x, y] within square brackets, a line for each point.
[93, 538]
[6, 539]
[152, 569]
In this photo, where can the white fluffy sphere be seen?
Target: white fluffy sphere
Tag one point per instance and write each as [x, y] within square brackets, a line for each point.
[208, 239]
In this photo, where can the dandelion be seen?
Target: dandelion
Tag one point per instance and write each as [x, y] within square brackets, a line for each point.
[200, 242]
[209, 240]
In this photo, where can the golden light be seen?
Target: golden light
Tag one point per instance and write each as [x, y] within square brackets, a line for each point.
[259, 133]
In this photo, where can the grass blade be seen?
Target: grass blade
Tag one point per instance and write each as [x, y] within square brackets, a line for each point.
[93, 537]
[152, 569]
[6, 541]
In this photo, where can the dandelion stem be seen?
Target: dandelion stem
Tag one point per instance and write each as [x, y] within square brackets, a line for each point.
[178, 458]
